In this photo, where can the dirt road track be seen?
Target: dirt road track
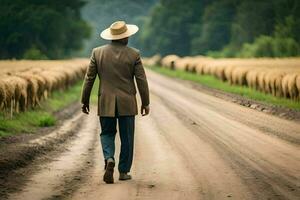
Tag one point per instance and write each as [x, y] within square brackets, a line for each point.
[192, 146]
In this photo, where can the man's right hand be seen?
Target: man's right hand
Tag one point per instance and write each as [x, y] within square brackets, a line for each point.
[145, 110]
[85, 108]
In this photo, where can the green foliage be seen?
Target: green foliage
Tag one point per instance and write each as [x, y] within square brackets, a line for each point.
[285, 47]
[47, 120]
[267, 46]
[263, 46]
[220, 28]
[34, 54]
[52, 28]
[228, 51]
[215, 27]
[223, 28]
[168, 28]
[282, 44]
[252, 19]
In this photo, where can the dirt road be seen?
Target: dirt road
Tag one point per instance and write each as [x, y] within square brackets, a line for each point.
[192, 146]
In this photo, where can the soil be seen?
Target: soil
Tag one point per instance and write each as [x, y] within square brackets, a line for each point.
[16, 152]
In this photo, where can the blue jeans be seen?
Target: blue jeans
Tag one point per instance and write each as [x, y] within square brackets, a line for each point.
[108, 134]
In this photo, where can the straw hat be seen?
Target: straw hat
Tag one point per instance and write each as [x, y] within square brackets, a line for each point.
[119, 30]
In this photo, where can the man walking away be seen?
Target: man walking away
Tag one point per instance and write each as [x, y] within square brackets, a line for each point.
[117, 65]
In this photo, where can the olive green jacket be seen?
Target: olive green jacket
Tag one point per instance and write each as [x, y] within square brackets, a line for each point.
[116, 65]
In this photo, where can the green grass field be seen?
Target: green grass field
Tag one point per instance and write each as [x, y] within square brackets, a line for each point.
[215, 83]
[30, 121]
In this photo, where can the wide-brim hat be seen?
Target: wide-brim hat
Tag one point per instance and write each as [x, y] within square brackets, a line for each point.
[119, 30]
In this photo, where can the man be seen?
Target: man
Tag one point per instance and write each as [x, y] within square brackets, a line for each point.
[117, 65]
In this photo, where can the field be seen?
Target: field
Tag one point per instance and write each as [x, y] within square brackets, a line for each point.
[278, 77]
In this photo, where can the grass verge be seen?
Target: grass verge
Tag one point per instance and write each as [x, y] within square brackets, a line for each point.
[215, 83]
[43, 116]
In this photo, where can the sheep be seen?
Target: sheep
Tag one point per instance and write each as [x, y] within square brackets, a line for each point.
[292, 88]
[57, 79]
[83, 69]
[10, 90]
[47, 80]
[199, 68]
[284, 85]
[193, 62]
[239, 75]
[261, 80]
[228, 73]
[154, 60]
[169, 61]
[278, 85]
[242, 76]
[189, 64]
[2, 94]
[298, 85]
[289, 87]
[234, 75]
[206, 69]
[251, 79]
[220, 72]
[42, 81]
[32, 89]
[268, 82]
[20, 93]
[273, 82]
[29, 82]
[54, 79]
[212, 69]
[41, 86]
[182, 63]
[68, 77]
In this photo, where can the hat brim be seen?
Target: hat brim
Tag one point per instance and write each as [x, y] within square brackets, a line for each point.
[131, 30]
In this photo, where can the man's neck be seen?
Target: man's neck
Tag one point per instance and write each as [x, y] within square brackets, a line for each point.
[119, 42]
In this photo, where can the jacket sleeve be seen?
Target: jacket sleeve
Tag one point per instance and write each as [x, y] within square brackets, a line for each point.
[141, 81]
[89, 80]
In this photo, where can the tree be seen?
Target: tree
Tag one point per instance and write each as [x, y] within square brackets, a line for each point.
[169, 29]
[215, 27]
[53, 28]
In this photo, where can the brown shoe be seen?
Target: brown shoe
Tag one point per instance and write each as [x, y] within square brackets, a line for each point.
[109, 172]
[124, 177]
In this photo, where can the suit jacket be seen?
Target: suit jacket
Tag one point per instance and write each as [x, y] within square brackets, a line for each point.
[116, 65]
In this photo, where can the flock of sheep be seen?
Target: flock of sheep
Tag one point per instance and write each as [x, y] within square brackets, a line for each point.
[24, 84]
[279, 77]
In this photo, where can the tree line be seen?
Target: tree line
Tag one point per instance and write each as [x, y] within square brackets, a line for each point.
[54, 29]
[41, 29]
[223, 28]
